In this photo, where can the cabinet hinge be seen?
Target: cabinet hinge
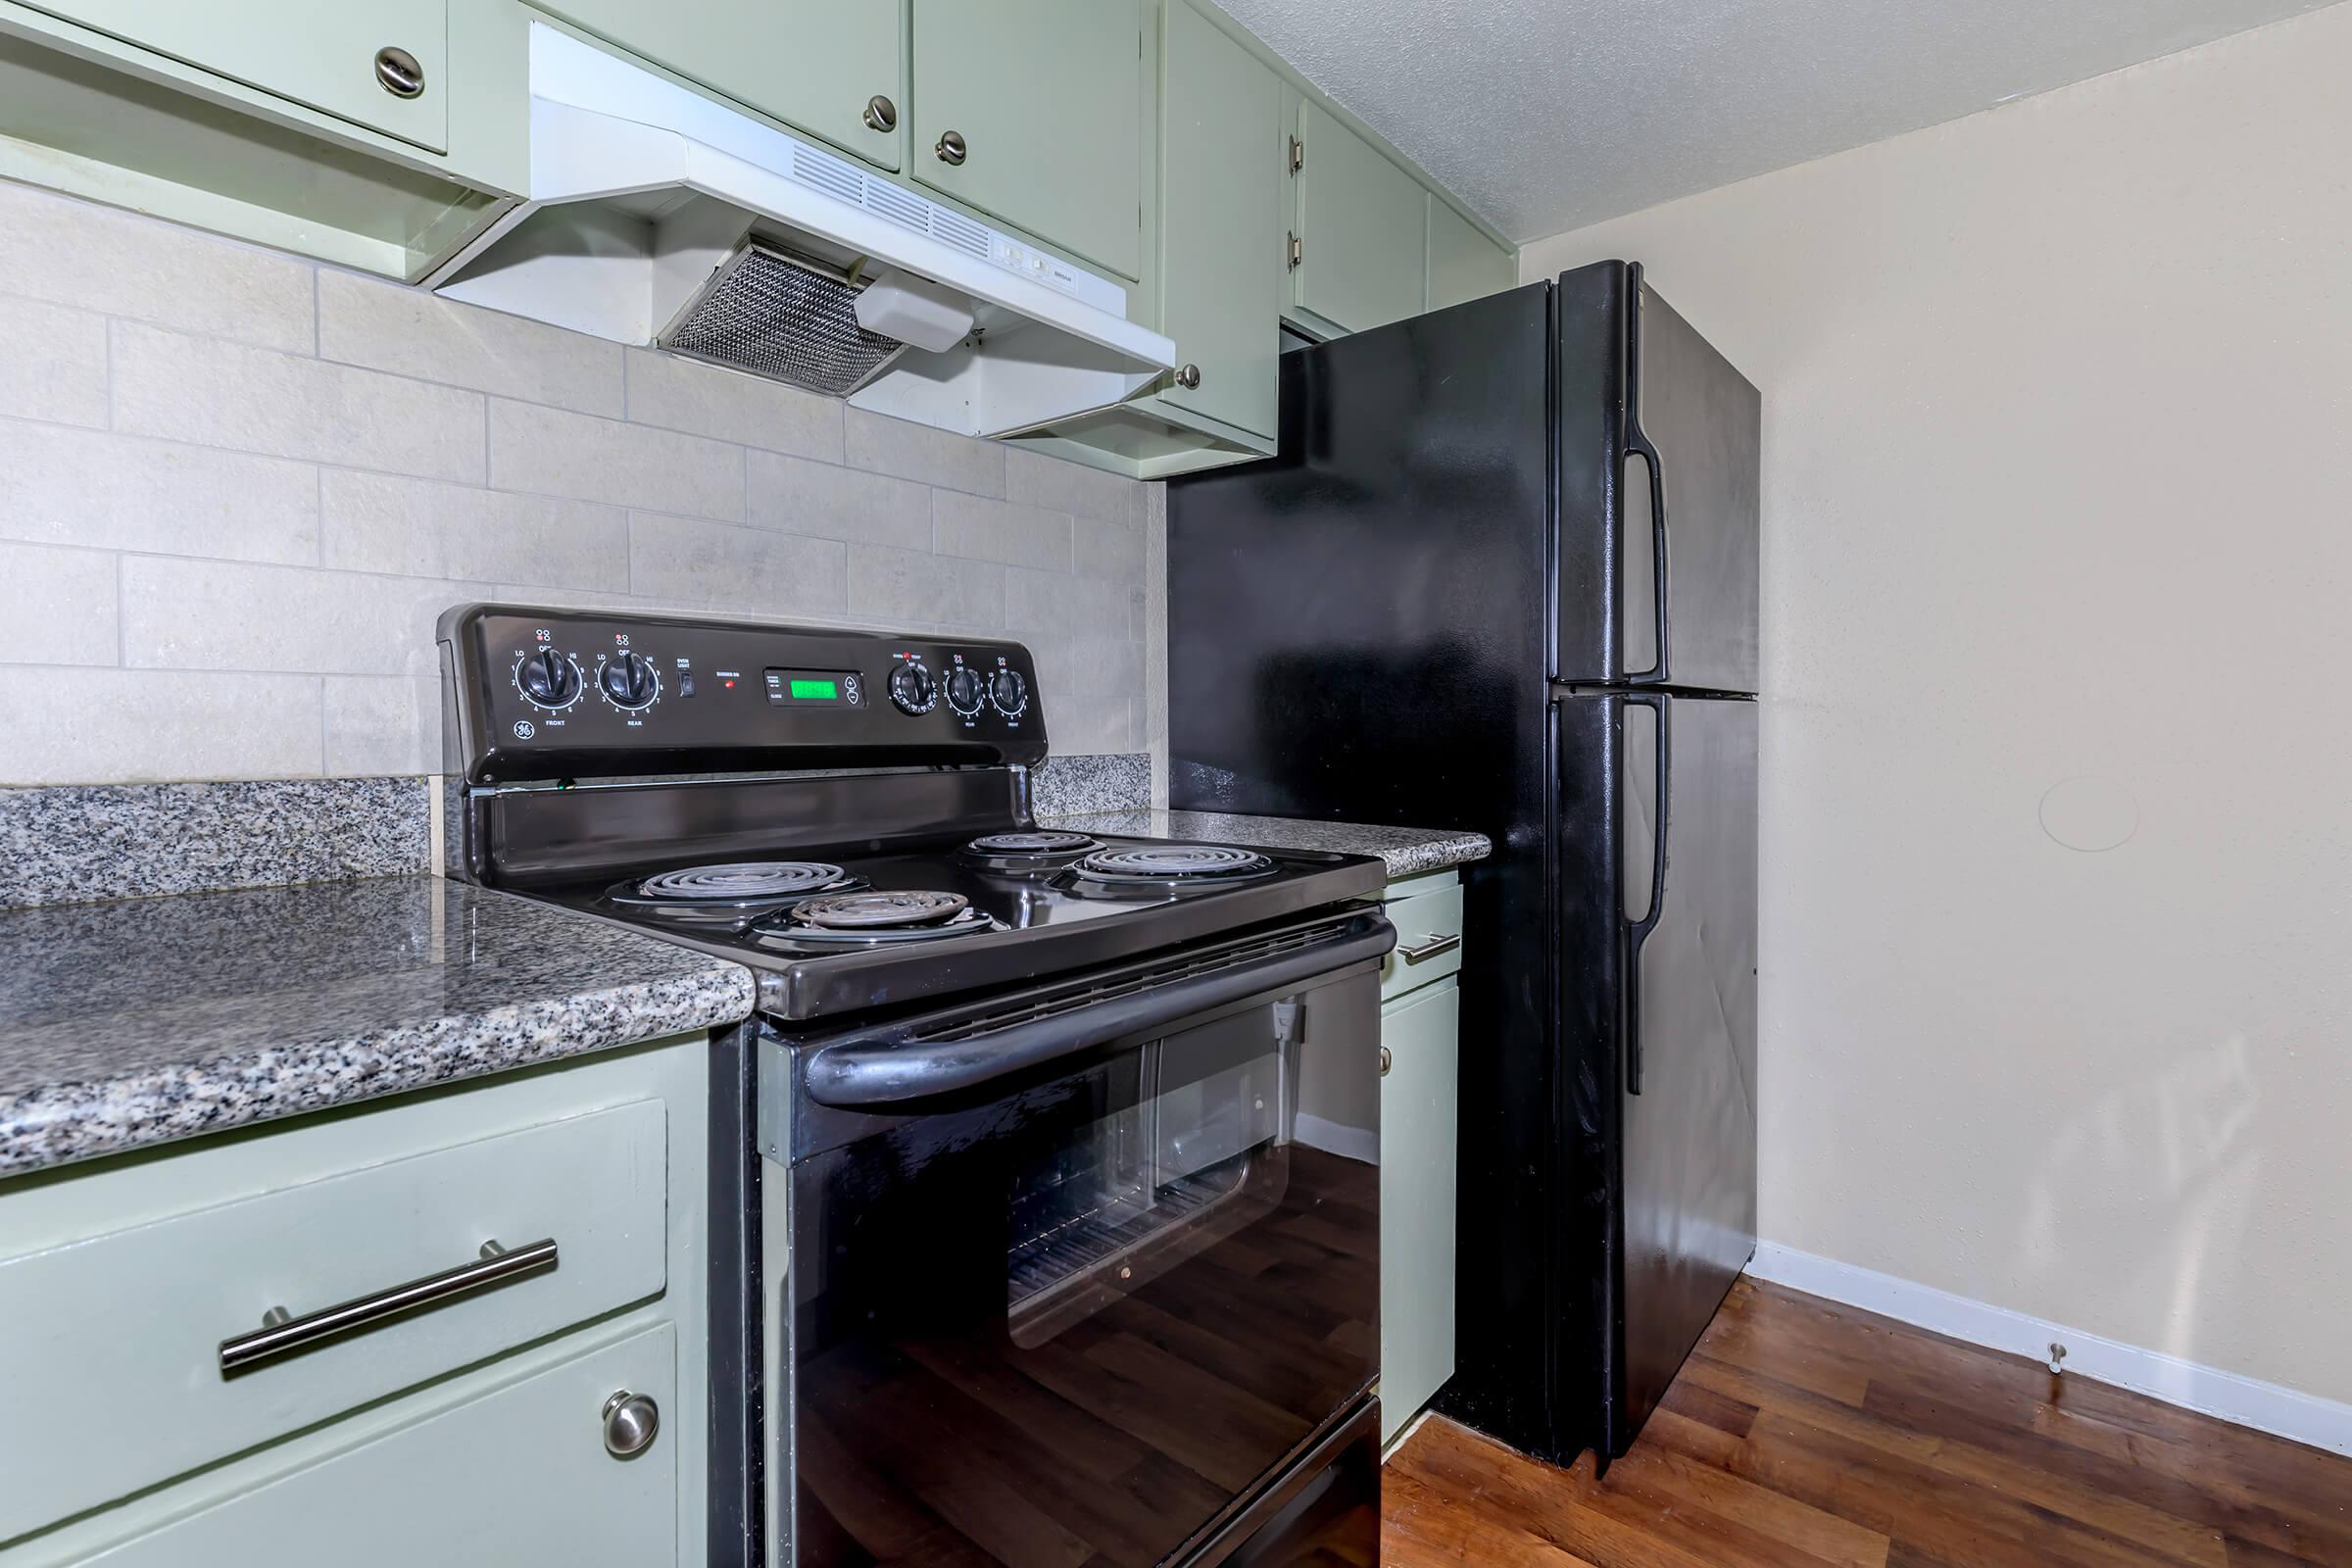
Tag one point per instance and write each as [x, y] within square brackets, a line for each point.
[1297, 251]
[1298, 155]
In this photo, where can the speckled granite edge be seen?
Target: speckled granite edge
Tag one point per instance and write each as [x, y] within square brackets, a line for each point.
[1115, 782]
[74, 844]
[63, 1122]
[1407, 851]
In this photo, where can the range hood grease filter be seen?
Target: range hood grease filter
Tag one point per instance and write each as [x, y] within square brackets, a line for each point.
[774, 314]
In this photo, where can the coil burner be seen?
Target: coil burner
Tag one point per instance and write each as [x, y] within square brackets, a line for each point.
[1027, 854]
[877, 915]
[1172, 865]
[730, 892]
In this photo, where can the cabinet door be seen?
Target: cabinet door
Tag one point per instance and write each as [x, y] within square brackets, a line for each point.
[1221, 221]
[1045, 99]
[815, 63]
[1463, 264]
[516, 1476]
[1361, 229]
[323, 56]
[1420, 1034]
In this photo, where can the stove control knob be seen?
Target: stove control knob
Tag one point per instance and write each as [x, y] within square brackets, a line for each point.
[629, 682]
[547, 679]
[1009, 693]
[912, 689]
[964, 691]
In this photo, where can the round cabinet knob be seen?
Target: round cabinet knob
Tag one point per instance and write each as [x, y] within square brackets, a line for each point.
[881, 114]
[1009, 693]
[911, 688]
[631, 1423]
[1188, 376]
[950, 148]
[398, 73]
[629, 682]
[548, 679]
[1385, 1061]
[964, 691]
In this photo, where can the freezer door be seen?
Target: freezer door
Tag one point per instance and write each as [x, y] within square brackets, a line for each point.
[1658, 972]
[1660, 453]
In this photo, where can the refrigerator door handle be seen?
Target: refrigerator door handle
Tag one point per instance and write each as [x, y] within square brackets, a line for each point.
[1638, 931]
[1638, 444]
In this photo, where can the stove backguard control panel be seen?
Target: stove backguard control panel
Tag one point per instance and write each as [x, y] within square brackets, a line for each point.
[539, 693]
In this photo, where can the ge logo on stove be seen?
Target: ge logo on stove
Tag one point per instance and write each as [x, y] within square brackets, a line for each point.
[524, 729]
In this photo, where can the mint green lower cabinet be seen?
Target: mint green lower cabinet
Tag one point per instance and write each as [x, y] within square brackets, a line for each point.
[1463, 264]
[515, 1475]
[1420, 1035]
[321, 55]
[1362, 229]
[86, 1333]
[815, 63]
[464, 1432]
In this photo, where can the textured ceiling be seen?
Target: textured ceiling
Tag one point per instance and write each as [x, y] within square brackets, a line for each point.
[1548, 114]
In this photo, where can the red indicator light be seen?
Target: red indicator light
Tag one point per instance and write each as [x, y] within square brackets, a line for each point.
[730, 685]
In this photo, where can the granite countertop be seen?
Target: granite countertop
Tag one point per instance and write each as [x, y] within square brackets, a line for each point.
[129, 1024]
[1408, 850]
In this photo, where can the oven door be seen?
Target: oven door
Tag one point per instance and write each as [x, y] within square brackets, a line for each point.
[1074, 1280]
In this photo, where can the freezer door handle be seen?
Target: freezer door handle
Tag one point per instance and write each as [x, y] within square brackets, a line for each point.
[1638, 444]
[1638, 931]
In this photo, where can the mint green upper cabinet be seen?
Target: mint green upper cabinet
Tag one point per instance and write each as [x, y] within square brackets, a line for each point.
[1221, 221]
[1463, 264]
[815, 63]
[1033, 113]
[323, 56]
[1363, 229]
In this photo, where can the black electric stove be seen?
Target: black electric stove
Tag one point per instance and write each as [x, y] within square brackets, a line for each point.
[1017, 1096]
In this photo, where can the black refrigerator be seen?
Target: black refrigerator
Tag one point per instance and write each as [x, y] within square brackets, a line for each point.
[1502, 576]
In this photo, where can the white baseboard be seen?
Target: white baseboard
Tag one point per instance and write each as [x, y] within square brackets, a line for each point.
[2243, 1401]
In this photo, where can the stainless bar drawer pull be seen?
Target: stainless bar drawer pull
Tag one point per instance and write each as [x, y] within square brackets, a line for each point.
[280, 1334]
[1433, 948]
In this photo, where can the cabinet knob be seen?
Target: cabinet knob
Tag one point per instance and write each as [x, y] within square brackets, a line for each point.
[630, 1422]
[950, 148]
[1188, 376]
[1385, 1061]
[881, 114]
[398, 73]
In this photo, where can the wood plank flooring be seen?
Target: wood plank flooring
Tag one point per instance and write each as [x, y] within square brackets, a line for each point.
[1802, 1433]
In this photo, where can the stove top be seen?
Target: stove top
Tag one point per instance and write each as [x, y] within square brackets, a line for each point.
[1011, 905]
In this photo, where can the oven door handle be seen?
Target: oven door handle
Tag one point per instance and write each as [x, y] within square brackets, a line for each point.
[890, 1066]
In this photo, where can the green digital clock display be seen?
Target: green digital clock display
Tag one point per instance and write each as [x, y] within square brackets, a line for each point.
[815, 688]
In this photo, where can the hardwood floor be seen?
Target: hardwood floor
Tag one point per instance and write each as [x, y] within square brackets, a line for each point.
[1803, 1433]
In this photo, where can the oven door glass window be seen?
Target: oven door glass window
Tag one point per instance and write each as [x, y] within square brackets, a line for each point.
[1076, 1321]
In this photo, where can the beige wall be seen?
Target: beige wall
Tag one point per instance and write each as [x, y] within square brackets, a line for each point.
[2058, 487]
[237, 489]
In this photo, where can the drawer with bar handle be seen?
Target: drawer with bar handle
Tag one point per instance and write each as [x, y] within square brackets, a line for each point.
[201, 1334]
[1427, 912]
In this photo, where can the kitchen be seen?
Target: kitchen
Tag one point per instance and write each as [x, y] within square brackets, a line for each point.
[760, 814]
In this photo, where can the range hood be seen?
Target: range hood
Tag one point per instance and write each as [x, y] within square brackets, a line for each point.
[659, 217]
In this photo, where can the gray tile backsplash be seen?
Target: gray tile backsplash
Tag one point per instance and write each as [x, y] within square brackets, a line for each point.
[53, 364]
[237, 488]
[212, 393]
